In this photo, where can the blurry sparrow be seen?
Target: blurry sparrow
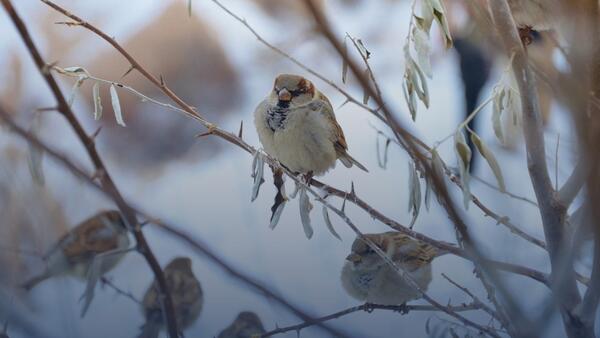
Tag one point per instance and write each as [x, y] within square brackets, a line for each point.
[366, 276]
[75, 251]
[296, 125]
[185, 292]
[534, 14]
[244, 326]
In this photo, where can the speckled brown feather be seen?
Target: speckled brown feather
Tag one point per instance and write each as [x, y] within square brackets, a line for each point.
[338, 138]
[418, 255]
[91, 237]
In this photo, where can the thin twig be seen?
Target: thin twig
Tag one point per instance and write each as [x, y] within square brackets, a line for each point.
[106, 281]
[402, 309]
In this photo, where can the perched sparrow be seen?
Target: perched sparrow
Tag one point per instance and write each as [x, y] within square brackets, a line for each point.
[185, 292]
[297, 126]
[244, 326]
[75, 251]
[366, 276]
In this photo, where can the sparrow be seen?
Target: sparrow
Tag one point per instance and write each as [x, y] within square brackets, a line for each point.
[74, 253]
[296, 125]
[366, 277]
[186, 294]
[245, 325]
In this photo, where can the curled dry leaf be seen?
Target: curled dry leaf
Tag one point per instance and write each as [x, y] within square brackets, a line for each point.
[414, 201]
[436, 8]
[498, 107]
[328, 221]
[97, 101]
[75, 70]
[258, 168]
[116, 105]
[463, 154]
[280, 198]
[75, 89]
[423, 49]
[382, 156]
[487, 154]
[305, 208]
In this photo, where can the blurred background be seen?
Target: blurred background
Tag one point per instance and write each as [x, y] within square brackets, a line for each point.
[204, 185]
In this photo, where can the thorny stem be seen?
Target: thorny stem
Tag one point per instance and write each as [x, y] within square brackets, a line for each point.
[106, 180]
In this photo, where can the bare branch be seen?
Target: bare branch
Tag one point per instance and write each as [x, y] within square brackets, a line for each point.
[552, 211]
[402, 309]
[105, 179]
[574, 183]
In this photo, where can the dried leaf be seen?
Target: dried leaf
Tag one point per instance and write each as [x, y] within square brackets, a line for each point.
[421, 85]
[329, 224]
[382, 159]
[463, 153]
[305, 207]
[258, 168]
[97, 101]
[280, 198]
[36, 154]
[116, 105]
[75, 89]
[423, 49]
[427, 194]
[439, 14]
[426, 19]
[76, 70]
[414, 201]
[485, 151]
[497, 114]
[276, 215]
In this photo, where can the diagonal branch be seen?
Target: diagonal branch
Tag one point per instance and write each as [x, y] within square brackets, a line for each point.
[105, 178]
[195, 243]
[402, 309]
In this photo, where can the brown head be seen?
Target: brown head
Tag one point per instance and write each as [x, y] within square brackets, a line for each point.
[292, 90]
[180, 264]
[247, 320]
[114, 218]
[391, 242]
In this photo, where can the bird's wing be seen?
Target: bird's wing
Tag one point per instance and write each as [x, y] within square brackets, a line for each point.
[421, 255]
[89, 238]
[337, 134]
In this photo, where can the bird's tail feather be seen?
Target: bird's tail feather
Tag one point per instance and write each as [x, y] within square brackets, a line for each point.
[348, 161]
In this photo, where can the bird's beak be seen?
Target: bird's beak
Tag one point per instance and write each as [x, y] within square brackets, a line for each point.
[284, 95]
[354, 258]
